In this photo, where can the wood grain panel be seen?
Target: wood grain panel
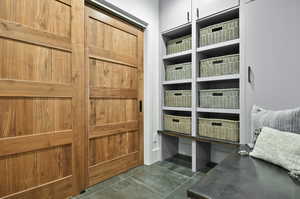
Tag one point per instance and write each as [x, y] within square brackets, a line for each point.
[106, 55]
[79, 150]
[117, 44]
[21, 61]
[111, 75]
[141, 94]
[67, 2]
[27, 171]
[114, 89]
[111, 168]
[58, 189]
[61, 67]
[34, 89]
[110, 129]
[29, 35]
[27, 116]
[22, 144]
[112, 111]
[115, 126]
[110, 20]
[43, 15]
[113, 93]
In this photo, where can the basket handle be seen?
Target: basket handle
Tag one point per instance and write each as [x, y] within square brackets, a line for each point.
[178, 42]
[178, 68]
[174, 120]
[218, 62]
[217, 94]
[178, 94]
[217, 29]
[216, 124]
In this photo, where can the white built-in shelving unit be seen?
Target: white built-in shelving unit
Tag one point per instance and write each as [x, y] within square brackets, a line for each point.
[200, 146]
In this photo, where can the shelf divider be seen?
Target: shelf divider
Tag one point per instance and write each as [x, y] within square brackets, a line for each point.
[214, 110]
[183, 81]
[218, 78]
[217, 46]
[177, 55]
[165, 108]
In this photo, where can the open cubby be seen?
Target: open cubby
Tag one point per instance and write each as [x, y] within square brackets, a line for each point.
[186, 86]
[224, 84]
[178, 32]
[201, 146]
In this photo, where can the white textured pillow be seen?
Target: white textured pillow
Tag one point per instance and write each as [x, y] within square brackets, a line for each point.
[280, 148]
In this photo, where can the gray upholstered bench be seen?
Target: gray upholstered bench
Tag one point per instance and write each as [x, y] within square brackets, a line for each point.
[243, 177]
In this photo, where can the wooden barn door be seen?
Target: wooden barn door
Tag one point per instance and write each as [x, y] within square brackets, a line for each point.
[115, 74]
[42, 130]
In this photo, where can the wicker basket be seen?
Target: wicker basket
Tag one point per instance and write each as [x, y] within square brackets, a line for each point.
[179, 45]
[179, 71]
[177, 124]
[220, 98]
[217, 66]
[219, 129]
[221, 32]
[178, 98]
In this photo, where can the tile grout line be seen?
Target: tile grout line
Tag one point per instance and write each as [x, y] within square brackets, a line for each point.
[177, 188]
[177, 172]
[141, 183]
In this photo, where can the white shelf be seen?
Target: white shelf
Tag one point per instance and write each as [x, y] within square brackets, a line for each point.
[212, 110]
[224, 15]
[176, 109]
[218, 78]
[178, 55]
[183, 81]
[178, 31]
[219, 45]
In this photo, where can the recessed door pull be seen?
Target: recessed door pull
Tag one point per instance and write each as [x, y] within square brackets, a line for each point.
[249, 74]
[141, 106]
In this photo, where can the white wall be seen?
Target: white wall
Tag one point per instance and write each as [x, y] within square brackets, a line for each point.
[148, 11]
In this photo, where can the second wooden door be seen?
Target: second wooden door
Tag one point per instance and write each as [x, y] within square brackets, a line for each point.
[115, 81]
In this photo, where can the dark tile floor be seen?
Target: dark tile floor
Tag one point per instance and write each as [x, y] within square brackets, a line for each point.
[163, 180]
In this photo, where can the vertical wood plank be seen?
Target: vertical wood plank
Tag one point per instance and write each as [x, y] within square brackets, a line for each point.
[78, 104]
[140, 52]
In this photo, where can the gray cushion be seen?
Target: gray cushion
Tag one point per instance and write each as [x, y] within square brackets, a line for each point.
[285, 120]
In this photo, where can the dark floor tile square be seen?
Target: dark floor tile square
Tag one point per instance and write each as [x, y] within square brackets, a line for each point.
[159, 179]
[181, 192]
[125, 189]
[131, 172]
[104, 184]
[176, 168]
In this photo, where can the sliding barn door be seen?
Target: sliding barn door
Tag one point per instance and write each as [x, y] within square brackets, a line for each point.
[115, 74]
[41, 99]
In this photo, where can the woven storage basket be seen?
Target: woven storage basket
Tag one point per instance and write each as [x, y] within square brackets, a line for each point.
[178, 98]
[177, 124]
[220, 98]
[179, 44]
[221, 32]
[217, 66]
[179, 71]
[219, 129]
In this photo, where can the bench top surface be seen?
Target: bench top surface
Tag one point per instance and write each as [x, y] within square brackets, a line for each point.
[244, 177]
